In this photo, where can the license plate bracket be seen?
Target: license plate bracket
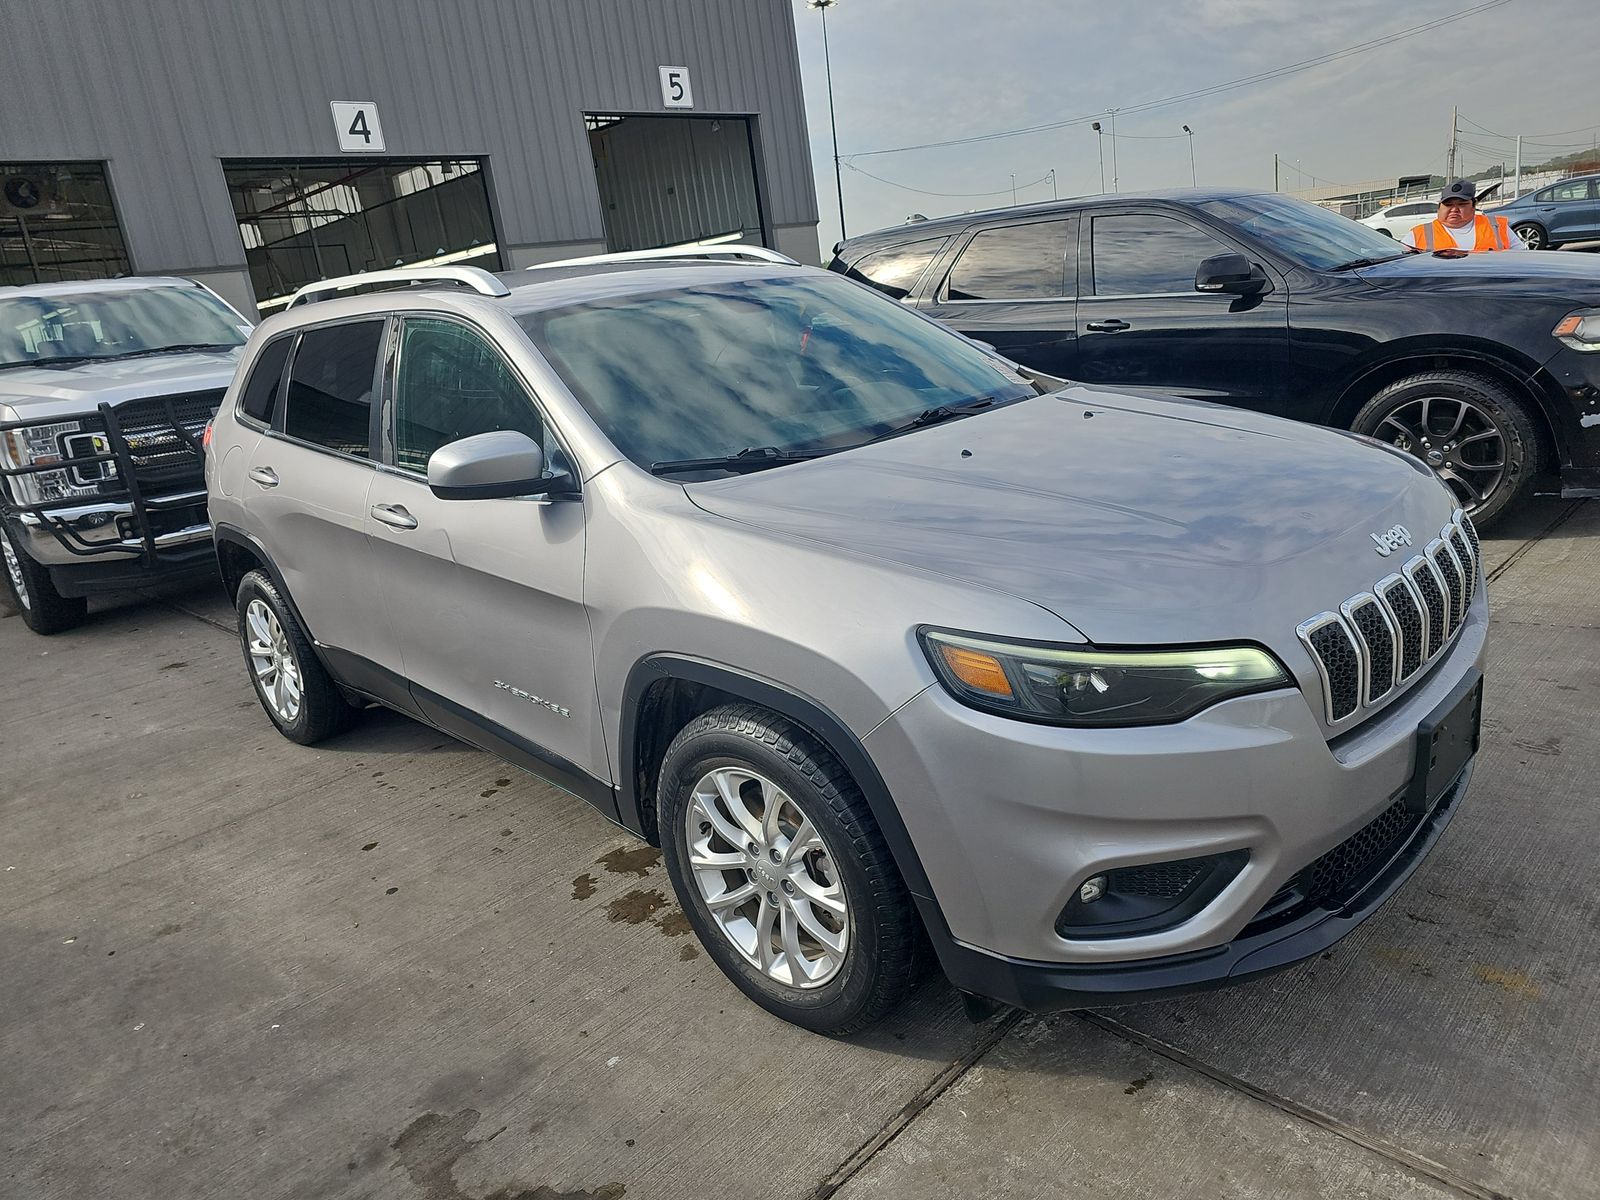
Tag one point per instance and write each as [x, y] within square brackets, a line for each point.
[1446, 739]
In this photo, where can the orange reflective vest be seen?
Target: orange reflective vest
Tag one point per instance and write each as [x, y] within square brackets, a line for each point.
[1493, 233]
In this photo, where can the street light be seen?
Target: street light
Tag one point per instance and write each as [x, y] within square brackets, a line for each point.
[1013, 189]
[1193, 179]
[823, 6]
[1100, 140]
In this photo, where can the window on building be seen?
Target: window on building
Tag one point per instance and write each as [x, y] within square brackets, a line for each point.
[331, 383]
[305, 221]
[1013, 262]
[57, 223]
[1144, 255]
[895, 271]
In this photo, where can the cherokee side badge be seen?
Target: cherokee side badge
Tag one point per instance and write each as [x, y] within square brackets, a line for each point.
[1391, 540]
[558, 709]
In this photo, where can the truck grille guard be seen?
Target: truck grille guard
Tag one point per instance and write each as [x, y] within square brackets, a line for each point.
[153, 446]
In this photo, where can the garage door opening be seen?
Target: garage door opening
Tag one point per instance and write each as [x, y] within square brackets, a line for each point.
[304, 221]
[57, 223]
[665, 181]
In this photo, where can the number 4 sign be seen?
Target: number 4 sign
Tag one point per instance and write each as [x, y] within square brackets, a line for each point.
[356, 123]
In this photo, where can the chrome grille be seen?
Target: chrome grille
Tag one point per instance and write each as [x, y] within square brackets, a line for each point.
[1380, 640]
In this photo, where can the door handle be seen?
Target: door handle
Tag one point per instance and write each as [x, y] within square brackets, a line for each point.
[394, 515]
[265, 476]
[1114, 325]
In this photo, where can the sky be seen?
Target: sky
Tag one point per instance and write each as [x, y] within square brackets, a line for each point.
[912, 71]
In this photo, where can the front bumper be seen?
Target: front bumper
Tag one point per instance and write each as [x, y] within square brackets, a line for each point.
[59, 536]
[1009, 819]
[1572, 378]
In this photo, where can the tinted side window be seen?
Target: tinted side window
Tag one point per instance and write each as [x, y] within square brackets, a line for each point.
[1014, 262]
[1413, 210]
[330, 386]
[1148, 255]
[895, 271]
[261, 389]
[453, 384]
[1570, 191]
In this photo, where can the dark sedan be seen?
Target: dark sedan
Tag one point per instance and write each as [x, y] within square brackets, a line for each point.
[1485, 366]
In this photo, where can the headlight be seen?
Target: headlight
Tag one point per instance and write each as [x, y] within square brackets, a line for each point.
[1068, 685]
[1580, 330]
[39, 445]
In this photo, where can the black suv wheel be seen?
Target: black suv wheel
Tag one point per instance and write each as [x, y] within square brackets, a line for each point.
[1474, 432]
[43, 609]
[782, 872]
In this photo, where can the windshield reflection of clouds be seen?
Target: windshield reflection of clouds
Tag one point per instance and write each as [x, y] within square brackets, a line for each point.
[803, 362]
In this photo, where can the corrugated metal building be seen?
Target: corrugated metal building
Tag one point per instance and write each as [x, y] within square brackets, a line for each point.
[262, 145]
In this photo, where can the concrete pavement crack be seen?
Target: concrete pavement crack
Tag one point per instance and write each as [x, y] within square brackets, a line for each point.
[1516, 555]
[1399, 1155]
[987, 1039]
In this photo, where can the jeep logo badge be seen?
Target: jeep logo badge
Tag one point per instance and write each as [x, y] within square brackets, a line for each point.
[1391, 540]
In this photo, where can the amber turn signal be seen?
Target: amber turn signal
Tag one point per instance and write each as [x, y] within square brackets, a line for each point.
[977, 670]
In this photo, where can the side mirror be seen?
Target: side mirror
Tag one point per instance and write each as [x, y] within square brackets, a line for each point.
[492, 466]
[1232, 274]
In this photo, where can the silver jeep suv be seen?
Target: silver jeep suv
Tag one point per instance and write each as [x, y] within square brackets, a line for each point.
[889, 644]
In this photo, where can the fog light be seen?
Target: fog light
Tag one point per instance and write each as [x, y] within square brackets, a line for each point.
[1093, 888]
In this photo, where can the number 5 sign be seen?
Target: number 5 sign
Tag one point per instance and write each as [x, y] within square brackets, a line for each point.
[356, 123]
[675, 91]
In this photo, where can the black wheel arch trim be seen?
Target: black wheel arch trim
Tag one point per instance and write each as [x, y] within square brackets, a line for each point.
[788, 703]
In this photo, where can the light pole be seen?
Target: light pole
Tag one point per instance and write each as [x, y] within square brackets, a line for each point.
[1193, 179]
[1053, 195]
[1116, 183]
[1100, 140]
[1013, 189]
[823, 6]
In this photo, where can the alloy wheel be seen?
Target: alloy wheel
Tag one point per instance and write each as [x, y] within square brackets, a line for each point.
[14, 570]
[1531, 235]
[277, 674]
[767, 878]
[1459, 440]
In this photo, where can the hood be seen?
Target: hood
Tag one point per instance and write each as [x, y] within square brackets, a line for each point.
[52, 392]
[1137, 521]
[1573, 277]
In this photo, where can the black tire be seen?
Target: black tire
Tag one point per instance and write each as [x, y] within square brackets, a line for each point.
[1533, 235]
[29, 587]
[880, 958]
[1386, 234]
[323, 710]
[1523, 449]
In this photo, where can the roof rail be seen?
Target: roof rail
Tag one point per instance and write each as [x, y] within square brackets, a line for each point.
[475, 278]
[725, 250]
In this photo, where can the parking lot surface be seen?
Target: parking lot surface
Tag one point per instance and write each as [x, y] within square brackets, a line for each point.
[392, 966]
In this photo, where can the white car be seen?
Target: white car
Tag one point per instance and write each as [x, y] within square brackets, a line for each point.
[1397, 220]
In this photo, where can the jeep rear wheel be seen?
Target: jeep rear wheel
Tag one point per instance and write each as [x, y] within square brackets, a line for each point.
[1475, 434]
[295, 690]
[44, 610]
[782, 872]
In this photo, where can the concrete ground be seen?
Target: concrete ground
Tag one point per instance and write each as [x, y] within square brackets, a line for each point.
[392, 966]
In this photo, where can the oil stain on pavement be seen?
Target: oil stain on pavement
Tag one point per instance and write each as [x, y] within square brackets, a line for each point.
[430, 1147]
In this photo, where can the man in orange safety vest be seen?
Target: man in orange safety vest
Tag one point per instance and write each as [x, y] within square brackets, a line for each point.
[1459, 225]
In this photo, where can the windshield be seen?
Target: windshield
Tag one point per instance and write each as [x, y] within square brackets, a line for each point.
[799, 362]
[89, 325]
[1316, 237]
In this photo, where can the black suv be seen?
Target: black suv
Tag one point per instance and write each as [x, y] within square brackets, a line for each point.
[1486, 366]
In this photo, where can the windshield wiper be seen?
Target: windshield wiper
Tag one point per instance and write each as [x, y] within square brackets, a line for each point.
[751, 458]
[1354, 263]
[180, 348]
[65, 360]
[935, 416]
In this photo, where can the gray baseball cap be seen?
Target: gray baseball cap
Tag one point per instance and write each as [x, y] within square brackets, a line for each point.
[1461, 189]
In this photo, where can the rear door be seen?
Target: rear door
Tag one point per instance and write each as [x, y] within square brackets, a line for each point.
[1011, 286]
[306, 485]
[1577, 214]
[485, 596]
[1143, 326]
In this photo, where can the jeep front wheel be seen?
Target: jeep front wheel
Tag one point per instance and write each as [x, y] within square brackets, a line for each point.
[782, 871]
